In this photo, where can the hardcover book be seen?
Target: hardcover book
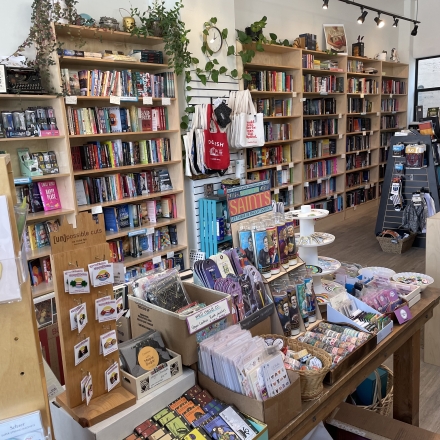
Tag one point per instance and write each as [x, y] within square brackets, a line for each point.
[36, 203]
[49, 195]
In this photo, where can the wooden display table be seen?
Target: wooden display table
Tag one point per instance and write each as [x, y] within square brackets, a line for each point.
[404, 343]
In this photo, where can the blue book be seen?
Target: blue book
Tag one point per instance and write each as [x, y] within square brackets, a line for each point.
[111, 219]
[143, 242]
[123, 216]
[131, 216]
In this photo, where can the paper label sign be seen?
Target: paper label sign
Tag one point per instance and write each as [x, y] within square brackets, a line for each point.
[97, 210]
[319, 181]
[207, 315]
[276, 191]
[18, 427]
[115, 100]
[112, 377]
[138, 232]
[72, 100]
[306, 184]
[291, 164]
[170, 254]
[340, 136]
[166, 101]
[157, 260]
[303, 99]
[160, 376]
[340, 116]
[147, 100]
[78, 282]
[362, 95]
[294, 94]
[342, 156]
[66, 277]
[290, 188]
[82, 351]
[107, 310]
[150, 231]
[279, 168]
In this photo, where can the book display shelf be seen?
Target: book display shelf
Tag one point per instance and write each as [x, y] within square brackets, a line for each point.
[341, 113]
[104, 167]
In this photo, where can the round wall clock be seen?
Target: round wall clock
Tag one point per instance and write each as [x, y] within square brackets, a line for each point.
[213, 40]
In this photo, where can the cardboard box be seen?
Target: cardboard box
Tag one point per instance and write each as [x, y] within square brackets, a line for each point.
[275, 412]
[173, 327]
[262, 328]
[123, 328]
[348, 422]
[51, 349]
[150, 381]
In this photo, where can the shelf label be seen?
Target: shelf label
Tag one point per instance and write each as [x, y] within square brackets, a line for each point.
[377, 113]
[391, 96]
[150, 231]
[363, 114]
[357, 153]
[393, 113]
[207, 315]
[340, 136]
[294, 94]
[302, 99]
[157, 259]
[73, 100]
[364, 133]
[319, 181]
[323, 93]
[139, 232]
[340, 116]
[97, 210]
[290, 188]
[170, 254]
[342, 156]
[276, 191]
[362, 96]
[115, 100]
[166, 101]
[386, 148]
[371, 133]
[291, 164]
[279, 167]
[306, 184]
[147, 100]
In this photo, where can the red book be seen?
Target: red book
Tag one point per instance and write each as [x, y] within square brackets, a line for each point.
[76, 159]
[49, 195]
[146, 121]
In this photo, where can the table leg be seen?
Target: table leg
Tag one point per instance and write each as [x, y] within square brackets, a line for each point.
[407, 381]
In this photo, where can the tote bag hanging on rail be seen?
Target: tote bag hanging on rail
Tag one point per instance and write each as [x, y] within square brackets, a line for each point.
[216, 144]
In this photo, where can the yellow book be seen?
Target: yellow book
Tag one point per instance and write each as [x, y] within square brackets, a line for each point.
[109, 146]
[143, 151]
[32, 236]
[287, 153]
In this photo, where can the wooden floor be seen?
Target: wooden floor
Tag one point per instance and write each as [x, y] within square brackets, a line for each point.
[355, 242]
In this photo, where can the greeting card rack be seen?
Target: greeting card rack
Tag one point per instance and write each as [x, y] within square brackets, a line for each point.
[21, 368]
[77, 248]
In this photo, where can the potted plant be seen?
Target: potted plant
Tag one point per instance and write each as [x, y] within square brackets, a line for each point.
[255, 30]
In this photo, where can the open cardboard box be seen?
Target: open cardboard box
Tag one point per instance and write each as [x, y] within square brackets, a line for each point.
[335, 316]
[173, 327]
[275, 412]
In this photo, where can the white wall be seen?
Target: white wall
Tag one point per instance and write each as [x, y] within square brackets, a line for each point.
[427, 40]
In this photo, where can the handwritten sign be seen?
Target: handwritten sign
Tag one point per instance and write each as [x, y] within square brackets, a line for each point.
[207, 315]
[159, 376]
[247, 201]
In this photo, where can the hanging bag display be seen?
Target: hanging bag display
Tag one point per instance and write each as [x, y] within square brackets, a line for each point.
[250, 124]
[216, 147]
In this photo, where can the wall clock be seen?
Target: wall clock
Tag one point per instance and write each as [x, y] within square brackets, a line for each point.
[213, 40]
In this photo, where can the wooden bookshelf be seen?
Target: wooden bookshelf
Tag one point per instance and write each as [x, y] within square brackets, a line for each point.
[276, 58]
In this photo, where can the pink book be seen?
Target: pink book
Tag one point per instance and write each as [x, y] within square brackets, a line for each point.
[151, 210]
[49, 195]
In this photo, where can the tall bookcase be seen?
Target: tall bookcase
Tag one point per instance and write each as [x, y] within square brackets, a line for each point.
[352, 163]
[97, 40]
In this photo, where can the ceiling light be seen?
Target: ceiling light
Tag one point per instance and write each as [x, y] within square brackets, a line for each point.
[325, 4]
[361, 19]
[380, 23]
[396, 22]
[414, 31]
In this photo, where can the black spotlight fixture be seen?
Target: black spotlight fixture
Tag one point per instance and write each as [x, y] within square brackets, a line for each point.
[396, 22]
[379, 22]
[361, 18]
[325, 4]
[414, 31]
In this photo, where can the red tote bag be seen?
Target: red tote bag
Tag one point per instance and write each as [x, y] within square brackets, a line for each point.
[216, 144]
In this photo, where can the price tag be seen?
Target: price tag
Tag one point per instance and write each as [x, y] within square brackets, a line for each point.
[279, 168]
[302, 99]
[291, 164]
[150, 231]
[382, 165]
[319, 181]
[363, 114]
[340, 116]
[357, 153]
[391, 96]
[342, 156]
[306, 184]
[371, 133]
[97, 210]
[147, 100]
[170, 254]
[364, 133]
[115, 100]
[73, 100]
[276, 191]
[290, 188]
[367, 186]
[340, 136]
[323, 93]
[378, 114]
[362, 95]
[386, 148]
[166, 101]
[294, 94]
[393, 113]
[157, 260]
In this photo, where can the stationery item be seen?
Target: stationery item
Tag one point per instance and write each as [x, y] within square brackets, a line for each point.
[112, 376]
[275, 375]
[82, 351]
[193, 413]
[66, 279]
[84, 381]
[106, 309]
[180, 401]
[73, 318]
[81, 317]
[167, 418]
[177, 427]
[108, 342]
[78, 282]
[242, 429]
[218, 429]
[101, 273]
[89, 389]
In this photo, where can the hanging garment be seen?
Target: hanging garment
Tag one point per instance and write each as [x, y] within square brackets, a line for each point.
[414, 216]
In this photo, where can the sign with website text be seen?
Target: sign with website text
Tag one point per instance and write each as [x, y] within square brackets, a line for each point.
[249, 200]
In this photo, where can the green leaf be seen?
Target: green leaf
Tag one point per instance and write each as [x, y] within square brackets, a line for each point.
[185, 118]
[247, 77]
[203, 79]
[204, 47]
[241, 36]
[210, 51]
[198, 70]
[188, 88]
[188, 98]
[207, 24]
[222, 70]
[183, 126]
[259, 47]
[214, 20]
[286, 43]
[190, 110]
[273, 36]
[214, 75]
[231, 50]
[234, 73]
[195, 60]
[215, 61]
[205, 31]
[225, 33]
[209, 66]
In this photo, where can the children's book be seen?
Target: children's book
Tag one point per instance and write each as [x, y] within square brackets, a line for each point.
[49, 195]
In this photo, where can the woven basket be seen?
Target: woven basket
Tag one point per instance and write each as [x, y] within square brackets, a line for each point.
[311, 380]
[393, 246]
[382, 406]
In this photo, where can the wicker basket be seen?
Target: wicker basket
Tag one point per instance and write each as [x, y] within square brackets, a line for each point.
[394, 246]
[311, 380]
[382, 406]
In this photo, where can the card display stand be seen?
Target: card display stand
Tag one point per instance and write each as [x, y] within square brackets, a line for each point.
[413, 180]
[72, 248]
[21, 367]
